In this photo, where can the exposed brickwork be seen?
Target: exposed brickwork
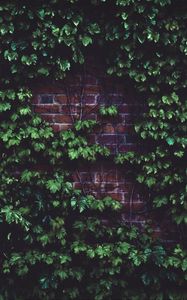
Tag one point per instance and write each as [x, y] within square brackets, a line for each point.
[79, 97]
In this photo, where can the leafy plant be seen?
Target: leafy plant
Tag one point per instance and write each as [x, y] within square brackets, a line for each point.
[108, 111]
[57, 242]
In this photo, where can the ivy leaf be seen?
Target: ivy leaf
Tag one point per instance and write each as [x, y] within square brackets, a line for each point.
[64, 64]
[26, 176]
[170, 141]
[73, 202]
[53, 185]
[150, 181]
[41, 13]
[184, 264]
[25, 111]
[5, 106]
[160, 201]
[94, 28]
[44, 282]
[86, 40]
[76, 20]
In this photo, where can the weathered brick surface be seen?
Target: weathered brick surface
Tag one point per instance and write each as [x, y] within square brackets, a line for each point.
[78, 98]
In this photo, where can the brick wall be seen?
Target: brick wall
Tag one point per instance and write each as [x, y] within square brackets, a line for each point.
[78, 97]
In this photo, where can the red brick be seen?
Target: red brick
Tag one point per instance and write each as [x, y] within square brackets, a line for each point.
[74, 99]
[120, 186]
[66, 119]
[35, 99]
[108, 128]
[120, 128]
[91, 139]
[112, 149]
[94, 186]
[48, 118]
[64, 127]
[107, 139]
[110, 187]
[90, 117]
[46, 108]
[123, 128]
[134, 206]
[89, 99]
[88, 109]
[110, 119]
[88, 187]
[92, 89]
[61, 127]
[85, 176]
[72, 109]
[62, 99]
[77, 185]
[117, 196]
[106, 176]
[56, 127]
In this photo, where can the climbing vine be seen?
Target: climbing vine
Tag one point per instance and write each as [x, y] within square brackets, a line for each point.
[57, 242]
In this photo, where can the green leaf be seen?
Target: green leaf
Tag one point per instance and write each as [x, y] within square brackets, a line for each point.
[170, 141]
[5, 106]
[41, 13]
[86, 40]
[73, 202]
[160, 201]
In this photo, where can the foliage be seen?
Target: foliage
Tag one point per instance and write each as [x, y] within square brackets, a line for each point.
[108, 111]
[56, 242]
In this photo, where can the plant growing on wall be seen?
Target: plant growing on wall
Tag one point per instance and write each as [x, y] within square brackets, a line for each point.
[57, 243]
